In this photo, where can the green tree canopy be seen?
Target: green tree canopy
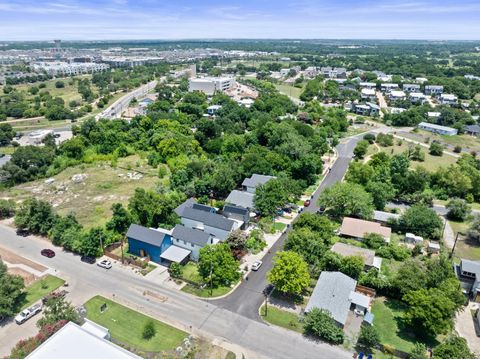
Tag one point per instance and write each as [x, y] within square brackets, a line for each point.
[289, 273]
[217, 264]
[347, 199]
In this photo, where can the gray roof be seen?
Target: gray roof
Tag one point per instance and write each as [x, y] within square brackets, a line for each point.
[188, 203]
[190, 235]
[209, 219]
[146, 235]
[256, 180]
[472, 128]
[470, 266]
[332, 293]
[202, 207]
[384, 216]
[232, 209]
[4, 160]
[241, 198]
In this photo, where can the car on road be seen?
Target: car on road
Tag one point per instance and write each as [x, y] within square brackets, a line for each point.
[306, 203]
[88, 259]
[53, 295]
[47, 253]
[26, 314]
[256, 265]
[105, 264]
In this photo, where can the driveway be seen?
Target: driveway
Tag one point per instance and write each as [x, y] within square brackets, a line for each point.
[466, 326]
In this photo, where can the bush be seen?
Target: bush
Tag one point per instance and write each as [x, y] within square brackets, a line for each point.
[369, 337]
[7, 208]
[361, 149]
[149, 330]
[458, 209]
[457, 149]
[436, 149]
[370, 137]
[175, 270]
[319, 323]
[59, 84]
[374, 240]
[385, 140]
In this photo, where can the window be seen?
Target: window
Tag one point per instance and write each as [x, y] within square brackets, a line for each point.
[191, 244]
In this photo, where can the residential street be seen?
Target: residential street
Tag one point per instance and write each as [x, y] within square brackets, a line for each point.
[248, 297]
[174, 307]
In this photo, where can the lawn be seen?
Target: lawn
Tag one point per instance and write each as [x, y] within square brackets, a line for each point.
[389, 323]
[190, 273]
[289, 90]
[279, 226]
[282, 318]
[91, 199]
[126, 325]
[431, 163]
[40, 288]
[465, 141]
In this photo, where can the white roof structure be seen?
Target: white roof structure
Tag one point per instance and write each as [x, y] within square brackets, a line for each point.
[397, 93]
[75, 342]
[175, 254]
[360, 299]
[368, 92]
[96, 329]
[433, 114]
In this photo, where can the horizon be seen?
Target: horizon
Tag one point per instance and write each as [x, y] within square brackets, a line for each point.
[115, 20]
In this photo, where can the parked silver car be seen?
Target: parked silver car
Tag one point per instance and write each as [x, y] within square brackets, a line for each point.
[26, 314]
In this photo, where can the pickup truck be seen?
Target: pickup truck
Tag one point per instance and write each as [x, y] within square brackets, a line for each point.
[26, 314]
[53, 295]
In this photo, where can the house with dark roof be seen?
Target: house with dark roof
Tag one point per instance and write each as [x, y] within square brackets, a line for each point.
[237, 213]
[473, 130]
[190, 239]
[241, 198]
[251, 184]
[146, 242]
[468, 273]
[192, 203]
[211, 223]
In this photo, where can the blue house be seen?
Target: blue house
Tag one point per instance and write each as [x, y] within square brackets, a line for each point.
[144, 242]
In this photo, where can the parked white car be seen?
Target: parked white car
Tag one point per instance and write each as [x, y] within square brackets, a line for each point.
[256, 265]
[26, 314]
[105, 264]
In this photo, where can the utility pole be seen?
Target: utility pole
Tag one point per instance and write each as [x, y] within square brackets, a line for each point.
[211, 281]
[455, 243]
[266, 303]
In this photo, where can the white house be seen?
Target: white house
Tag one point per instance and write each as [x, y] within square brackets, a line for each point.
[367, 85]
[251, 184]
[441, 130]
[413, 239]
[448, 99]
[397, 95]
[411, 87]
[368, 94]
[191, 239]
[417, 97]
[388, 87]
[433, 90]
[211, 223]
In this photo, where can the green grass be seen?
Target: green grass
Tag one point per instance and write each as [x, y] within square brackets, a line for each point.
[190, 272]
[230, 355]
[431, 163]
[39, 289]
[467, 142]
[474, 205]
[126, 325]
[388, 320]
[279, 226]
[289, 90]
[282, 318]
[205, 292]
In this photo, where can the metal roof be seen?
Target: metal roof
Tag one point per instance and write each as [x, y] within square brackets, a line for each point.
[208, 218]
[472, 128]
[188, 203]
[175, 254]
[384, 216]
[360, 299]
[146, 235]
[332, 293]
[470, 266]
[75, 342]
[256, 180]
[348, 250]
[190, 235]
[241, 198]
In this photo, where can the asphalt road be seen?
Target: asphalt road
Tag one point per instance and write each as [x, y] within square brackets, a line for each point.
[172, 306]
[248, 297]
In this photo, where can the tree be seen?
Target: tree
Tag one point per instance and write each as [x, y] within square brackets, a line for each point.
[453, 347]
[369, 337]
[59, 84]
[91, 242]
[373, 240]
[458, 209]
[381, 192]
[289, 274]
[410, 277]
[419, 351]
[360, 149]
[11, 289]
[6, 134]
[35, 216]
[436, 149]
[270, 196]
[120, 220]
[216, 265]
[352, 266]
[175, 270]
[149, 330]
[61, 227]
[57, 309]
[236, 240]
[307, 243]
[347, 199]
[422, 221]
[370, 137]
[319, 323]
[429, 311]
[7, 208]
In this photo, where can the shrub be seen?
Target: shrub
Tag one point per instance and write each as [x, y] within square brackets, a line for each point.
[7, 208]
[369, 337]
[458, 209]
[175, 270]
[319, 323]
[436, 149]
[149, 330]
[457, 149]
[370, 137]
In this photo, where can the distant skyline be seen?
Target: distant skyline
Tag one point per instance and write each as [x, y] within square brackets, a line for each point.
[203, 19]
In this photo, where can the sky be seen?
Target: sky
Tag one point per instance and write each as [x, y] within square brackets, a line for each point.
[204, 19]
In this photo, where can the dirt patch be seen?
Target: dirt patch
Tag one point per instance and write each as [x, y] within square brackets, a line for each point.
[28, 278]
[12, 258]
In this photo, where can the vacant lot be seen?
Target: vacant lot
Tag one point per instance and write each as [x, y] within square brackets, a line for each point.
[92, 197]
[289, 90]
[126, 325]
[431, 163]
[467, 142]
[39, 289]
